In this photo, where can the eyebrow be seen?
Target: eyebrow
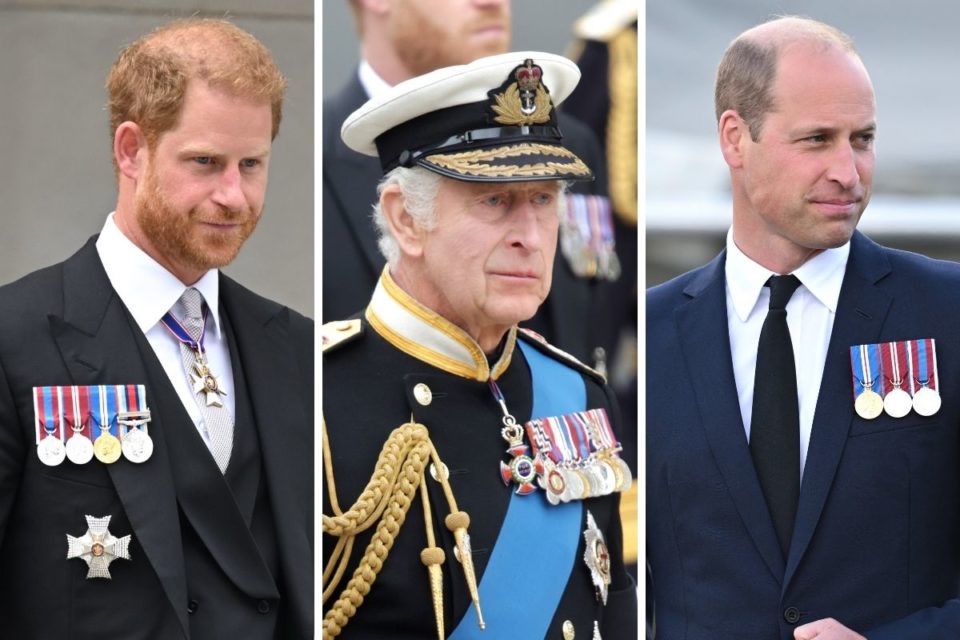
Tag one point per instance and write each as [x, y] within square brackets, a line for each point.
[199, 151]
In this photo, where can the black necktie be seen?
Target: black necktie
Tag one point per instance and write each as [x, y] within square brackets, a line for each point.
[775, 424]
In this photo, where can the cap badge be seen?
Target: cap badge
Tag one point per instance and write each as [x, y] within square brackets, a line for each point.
[525, 101]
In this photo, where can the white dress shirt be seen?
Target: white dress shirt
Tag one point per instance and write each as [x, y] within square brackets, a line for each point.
[810, 315]
[371, 81]
[149, 291]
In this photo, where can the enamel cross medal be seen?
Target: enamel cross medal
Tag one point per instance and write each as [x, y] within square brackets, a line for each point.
[522, 469]
[201, 377]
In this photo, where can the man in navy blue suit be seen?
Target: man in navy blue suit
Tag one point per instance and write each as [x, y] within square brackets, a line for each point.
[837, 518]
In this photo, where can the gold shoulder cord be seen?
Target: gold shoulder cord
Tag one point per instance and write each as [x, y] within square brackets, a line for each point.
[622, 125]
[385, 501]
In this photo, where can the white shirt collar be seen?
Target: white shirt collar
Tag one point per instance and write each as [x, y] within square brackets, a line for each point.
[146, 288]
[372, 83]
[821, 275]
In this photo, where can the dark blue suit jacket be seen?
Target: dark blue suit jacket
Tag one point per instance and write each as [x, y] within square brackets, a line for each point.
[877, 538]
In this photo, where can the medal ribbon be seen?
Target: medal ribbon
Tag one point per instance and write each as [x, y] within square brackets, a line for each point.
[889, 352]
[866, 367]
[71, 405]
[180, 333]
[83, 409]
[925, 355]
[46, 409]
[557, 390]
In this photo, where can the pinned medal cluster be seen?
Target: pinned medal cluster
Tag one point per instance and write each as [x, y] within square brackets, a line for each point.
[79, 423]
[895, 378]
[579, 456]
[574, 456]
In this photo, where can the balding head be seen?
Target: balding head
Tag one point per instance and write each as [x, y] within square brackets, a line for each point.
[748, 69]
[147, 83]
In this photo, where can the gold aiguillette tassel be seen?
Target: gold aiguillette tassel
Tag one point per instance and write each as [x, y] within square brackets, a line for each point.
[458, 522]
[433, 557]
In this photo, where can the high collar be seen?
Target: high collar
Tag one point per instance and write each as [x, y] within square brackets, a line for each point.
[422, 333]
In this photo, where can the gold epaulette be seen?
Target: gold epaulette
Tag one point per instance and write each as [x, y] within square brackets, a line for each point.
[540, 342]
[605, 20]
[338, 332]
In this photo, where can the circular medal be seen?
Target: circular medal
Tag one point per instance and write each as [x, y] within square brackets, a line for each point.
[606, 477]
[868, 404]
[554, 482]
[926, 401]
[594, 482]
[628, 476]
[897, 403]
[137, 445]
[107, 448]
[576, 485]
[617, 473]
[51, 451]
[79, 449]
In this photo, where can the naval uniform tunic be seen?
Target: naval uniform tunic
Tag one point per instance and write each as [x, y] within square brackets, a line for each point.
[368, 390]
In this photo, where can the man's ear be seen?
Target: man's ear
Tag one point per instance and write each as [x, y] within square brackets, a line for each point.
[130, 149]
[734, 133]
[408, 234]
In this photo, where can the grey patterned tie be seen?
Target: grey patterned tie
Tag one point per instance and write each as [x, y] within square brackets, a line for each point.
[216, 417]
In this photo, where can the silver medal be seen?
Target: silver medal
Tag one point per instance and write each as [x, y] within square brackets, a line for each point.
[627, 476]
[79, 448]
[576, 487]
[897, 403]
[51, 451]
[137, 445]
[608, 480]
[926, 401]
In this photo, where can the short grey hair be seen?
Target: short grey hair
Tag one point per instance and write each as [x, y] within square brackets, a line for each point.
[420, 188]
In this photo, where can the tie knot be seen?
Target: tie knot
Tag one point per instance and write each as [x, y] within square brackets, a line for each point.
[781, 289]
[191, 301]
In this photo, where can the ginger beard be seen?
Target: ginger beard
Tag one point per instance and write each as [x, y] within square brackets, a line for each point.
[184, 237]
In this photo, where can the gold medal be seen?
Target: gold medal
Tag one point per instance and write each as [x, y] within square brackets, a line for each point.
[868, 404]
[107, 448]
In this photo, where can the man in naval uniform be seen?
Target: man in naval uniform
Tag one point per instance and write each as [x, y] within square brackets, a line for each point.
[471, 469]
[401, 40]
[155, 416]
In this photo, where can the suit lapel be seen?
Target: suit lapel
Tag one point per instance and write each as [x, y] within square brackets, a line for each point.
[861, 311]
[705, 343]
[276, 384]
[96, 340]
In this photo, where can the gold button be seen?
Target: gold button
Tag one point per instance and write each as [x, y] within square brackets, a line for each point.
[443, 469]
[568, 631]
[423, 394]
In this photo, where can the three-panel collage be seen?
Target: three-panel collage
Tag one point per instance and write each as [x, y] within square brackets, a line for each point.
[324, 320]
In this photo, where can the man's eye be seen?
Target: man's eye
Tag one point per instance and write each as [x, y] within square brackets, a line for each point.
[250, 163]
[203, 160]
[543, 198]
[493, 201]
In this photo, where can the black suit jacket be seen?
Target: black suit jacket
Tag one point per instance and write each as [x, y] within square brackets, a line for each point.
[352, 262]
[65, 325]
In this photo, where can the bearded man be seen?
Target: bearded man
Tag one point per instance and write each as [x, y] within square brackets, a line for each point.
[155, 416]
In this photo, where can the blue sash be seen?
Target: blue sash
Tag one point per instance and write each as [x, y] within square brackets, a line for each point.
[534, 554]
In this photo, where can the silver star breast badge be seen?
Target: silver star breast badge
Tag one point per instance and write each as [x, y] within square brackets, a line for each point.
[98, 547]
[597, 557]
